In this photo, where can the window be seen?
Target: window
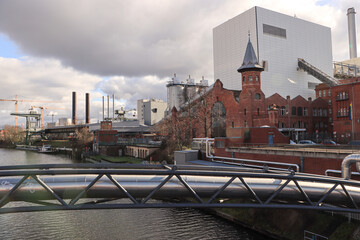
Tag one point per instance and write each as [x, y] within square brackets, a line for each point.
[324, 112]
[305, 111]
[293, 111]
[299, 111]
[245, 123]
[232, 124]
[250, 79]
[274, 31]
[319, 112]
[258, 111]
[265, 65]
[329, 101]
[320, 93]
[245, 111]
[314, 112]
[257, 96]
[220, 144]
[324, 93]
[329, 92]
[282, 111]
[218, 120]
[244, 78]
[257, 78]
[330, 111]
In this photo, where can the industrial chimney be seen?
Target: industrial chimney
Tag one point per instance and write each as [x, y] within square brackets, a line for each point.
[74, 108]
[352, 32]
[87, 108]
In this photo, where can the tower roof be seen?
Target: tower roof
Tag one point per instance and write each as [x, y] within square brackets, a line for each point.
[250, 60]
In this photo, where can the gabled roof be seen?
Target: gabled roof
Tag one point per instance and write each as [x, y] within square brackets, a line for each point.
[250, 60]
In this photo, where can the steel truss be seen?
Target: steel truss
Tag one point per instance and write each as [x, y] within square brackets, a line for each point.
[69, 186]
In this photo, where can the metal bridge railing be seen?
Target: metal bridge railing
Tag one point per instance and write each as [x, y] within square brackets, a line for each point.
[97, 186]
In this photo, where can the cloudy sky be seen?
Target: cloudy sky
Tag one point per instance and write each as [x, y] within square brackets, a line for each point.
[129, 48]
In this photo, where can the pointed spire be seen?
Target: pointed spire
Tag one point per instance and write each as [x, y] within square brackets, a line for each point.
[250, 60]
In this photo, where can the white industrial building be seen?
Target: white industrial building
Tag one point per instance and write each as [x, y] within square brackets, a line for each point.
[278, 40]
[150, 111]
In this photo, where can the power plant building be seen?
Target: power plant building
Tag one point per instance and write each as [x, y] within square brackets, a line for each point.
[279, 41]
[150, 111]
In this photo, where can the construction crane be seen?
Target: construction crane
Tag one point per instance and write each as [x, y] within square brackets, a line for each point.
[42, 113]
[16, 100]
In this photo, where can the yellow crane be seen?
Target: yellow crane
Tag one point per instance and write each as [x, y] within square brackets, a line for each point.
[16, 100]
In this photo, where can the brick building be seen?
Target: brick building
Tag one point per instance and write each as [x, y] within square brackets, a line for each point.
[344, 102]
[220, 111]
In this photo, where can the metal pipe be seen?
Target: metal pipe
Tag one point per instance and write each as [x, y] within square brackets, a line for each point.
[339, 172]
[68, 187]
[352, 32]
[346, 165]
[209, 141]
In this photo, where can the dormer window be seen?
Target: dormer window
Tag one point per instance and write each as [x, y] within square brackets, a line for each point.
[244, 79]
[257, 78]
[250, 79]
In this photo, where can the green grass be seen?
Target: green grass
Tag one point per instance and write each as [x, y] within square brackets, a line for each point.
[124, 159]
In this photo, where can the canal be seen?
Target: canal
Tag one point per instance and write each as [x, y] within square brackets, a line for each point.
[111, 224]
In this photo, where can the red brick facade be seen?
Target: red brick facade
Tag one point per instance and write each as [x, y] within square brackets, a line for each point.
[344, 123]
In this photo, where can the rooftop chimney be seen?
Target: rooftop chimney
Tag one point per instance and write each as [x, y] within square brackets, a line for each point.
[352, 32]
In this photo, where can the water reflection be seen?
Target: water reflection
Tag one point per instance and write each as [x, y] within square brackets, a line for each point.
[110, 224]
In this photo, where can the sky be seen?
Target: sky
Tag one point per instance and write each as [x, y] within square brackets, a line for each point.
[129, 48]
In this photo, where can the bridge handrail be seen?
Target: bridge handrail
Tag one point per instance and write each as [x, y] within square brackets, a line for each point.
[147, 169]
[312, 191]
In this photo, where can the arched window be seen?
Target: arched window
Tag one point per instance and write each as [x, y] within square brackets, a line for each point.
[257, 96]
[218, 120]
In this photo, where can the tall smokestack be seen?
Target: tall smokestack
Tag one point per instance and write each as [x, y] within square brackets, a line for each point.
[103, 108]
[74, 108]
[113, 110]
[87, 108]
[108, 107]
[352, 32]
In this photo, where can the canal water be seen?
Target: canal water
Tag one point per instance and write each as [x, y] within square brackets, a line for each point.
[111, 224]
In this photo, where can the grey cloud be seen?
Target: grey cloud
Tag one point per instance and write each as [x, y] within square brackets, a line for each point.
[128, 38]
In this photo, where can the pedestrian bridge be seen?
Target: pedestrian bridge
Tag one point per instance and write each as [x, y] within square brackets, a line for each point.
[30, 188]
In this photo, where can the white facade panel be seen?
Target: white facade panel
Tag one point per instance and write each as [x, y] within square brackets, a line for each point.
[304, 39]
[230, 40]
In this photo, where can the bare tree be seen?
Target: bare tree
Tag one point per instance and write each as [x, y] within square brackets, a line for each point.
[82, 139]
[13, 135]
